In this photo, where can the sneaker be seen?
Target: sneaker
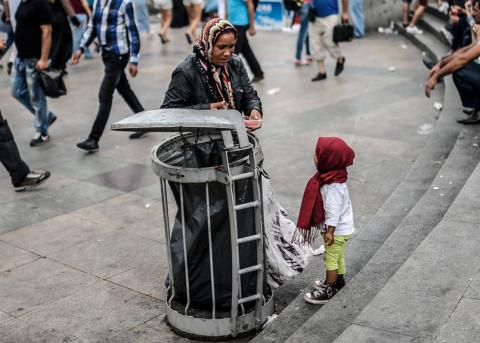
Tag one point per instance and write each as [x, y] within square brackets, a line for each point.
[34, 178]
[137, 135]
[298, 63]
[90, 145]
[257, 78]
[39, 139]
[413, 30]
[319, 285]
[471, 120]
[309, 60]
[319, 297]
[339, 66]
[443, 8]
[319, 77]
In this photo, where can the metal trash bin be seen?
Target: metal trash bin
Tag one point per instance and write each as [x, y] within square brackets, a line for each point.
[216, 286]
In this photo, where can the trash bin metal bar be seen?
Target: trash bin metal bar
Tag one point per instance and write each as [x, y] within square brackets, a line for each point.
[209, 225]
[227, 139]
[250, 298]
[247, 205]
[243, 176]
[250, 269]
[166, 223]
[249, 239]
[185, 255]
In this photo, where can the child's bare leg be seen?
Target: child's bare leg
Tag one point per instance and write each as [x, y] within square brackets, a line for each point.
[331, 277]
[406, 8]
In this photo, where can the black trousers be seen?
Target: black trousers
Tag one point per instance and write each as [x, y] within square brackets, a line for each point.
[9, 155]
[114, 78]
[243, 47]
[467, 81]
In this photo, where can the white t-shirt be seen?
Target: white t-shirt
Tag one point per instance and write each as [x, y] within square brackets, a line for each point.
[338, 208]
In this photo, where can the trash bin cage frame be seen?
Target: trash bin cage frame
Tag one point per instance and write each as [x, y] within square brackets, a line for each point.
[197, 126]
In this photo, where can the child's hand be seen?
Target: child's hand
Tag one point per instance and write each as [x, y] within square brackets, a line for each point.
[329, 238]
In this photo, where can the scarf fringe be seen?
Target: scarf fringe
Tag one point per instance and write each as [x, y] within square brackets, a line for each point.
[305, 236]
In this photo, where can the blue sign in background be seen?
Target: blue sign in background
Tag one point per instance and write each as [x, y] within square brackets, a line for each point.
[269, 14]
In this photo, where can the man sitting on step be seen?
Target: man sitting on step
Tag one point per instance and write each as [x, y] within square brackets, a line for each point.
[464, 64]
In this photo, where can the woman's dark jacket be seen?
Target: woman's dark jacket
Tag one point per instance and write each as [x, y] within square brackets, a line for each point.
[189, 84]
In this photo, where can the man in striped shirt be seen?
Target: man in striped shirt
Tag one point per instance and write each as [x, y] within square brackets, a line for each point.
[113, 24]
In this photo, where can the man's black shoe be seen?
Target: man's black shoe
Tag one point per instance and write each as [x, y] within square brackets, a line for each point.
[39, 139]
[137, 135]
[472, 120]
[340, 66]
[257, 78]
[470, 114]
[90, 145]
[51, 120]
[33, 178]
[319, 77]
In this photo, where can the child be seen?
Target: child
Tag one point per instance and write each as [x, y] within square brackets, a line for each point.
[326, 208]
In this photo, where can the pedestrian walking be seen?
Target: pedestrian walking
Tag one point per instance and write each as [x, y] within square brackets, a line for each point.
[113, 24]
[61, 49]
[33, 37]
[241, 14]
[164, 8]
[321, 35]
[194, 11]
[358, 18]
[141, 15]
[82, 13]
[326, 209]
[20, 174]
[10, 8]
[302, 38]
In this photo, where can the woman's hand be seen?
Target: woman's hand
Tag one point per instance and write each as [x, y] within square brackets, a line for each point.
[218, 105]
[254, 121]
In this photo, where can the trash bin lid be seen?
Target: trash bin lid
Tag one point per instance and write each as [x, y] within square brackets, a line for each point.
[185, 120]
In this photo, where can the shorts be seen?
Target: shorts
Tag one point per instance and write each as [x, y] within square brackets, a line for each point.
[420, 2]
[188, 3]
[163, 5]
[334, 256]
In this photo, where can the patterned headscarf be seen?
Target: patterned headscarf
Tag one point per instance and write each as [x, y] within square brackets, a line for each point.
[220, 87]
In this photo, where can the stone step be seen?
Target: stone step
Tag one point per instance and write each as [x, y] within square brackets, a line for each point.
[433, 10]
[434, 26]
[434, 295]
[362, 247]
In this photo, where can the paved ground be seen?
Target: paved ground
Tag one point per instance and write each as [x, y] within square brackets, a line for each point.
[82, 258]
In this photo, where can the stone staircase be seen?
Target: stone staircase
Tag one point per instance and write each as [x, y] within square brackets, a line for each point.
[413, 269]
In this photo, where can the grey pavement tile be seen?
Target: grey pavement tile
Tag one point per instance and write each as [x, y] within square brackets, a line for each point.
[132, 213]
[148, 277]
[463, 326]
[11, 257]
[54, 234]
[85, 166]
[420, 297]
[126, 179]
[473, 290]
[110, 254]
[39, 283]
[95, 314]
[4, 317]
[361, 334]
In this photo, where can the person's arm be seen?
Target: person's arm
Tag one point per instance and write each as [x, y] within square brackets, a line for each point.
[133, 34]
[88, 36]
[179, 93]
[67, 6]
[455, 64]
[46, 44]
[252, 105]
[6, 8]
[2, 45]
[332, 203]
[251, 18]
[345, 16]
[86, 7]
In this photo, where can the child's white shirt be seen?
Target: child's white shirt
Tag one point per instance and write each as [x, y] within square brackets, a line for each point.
[338, 208]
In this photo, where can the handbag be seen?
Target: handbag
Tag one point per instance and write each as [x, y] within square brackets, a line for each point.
[343, 33]
[52, 84]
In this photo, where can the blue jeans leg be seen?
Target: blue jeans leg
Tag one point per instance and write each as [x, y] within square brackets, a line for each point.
[303, 33]
[358, 18]
[26, 89]
[78, 34]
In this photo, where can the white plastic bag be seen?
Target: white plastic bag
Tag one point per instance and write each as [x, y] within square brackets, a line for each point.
[284, 259]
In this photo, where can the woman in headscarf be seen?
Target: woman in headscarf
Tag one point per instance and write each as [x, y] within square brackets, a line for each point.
[213, 77]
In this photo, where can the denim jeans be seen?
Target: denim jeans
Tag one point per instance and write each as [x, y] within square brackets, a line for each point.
[26, 89]
[303, 33]
[77, 33]
[114, 78]
[7, 28]
[358, 18]
[467, 81]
